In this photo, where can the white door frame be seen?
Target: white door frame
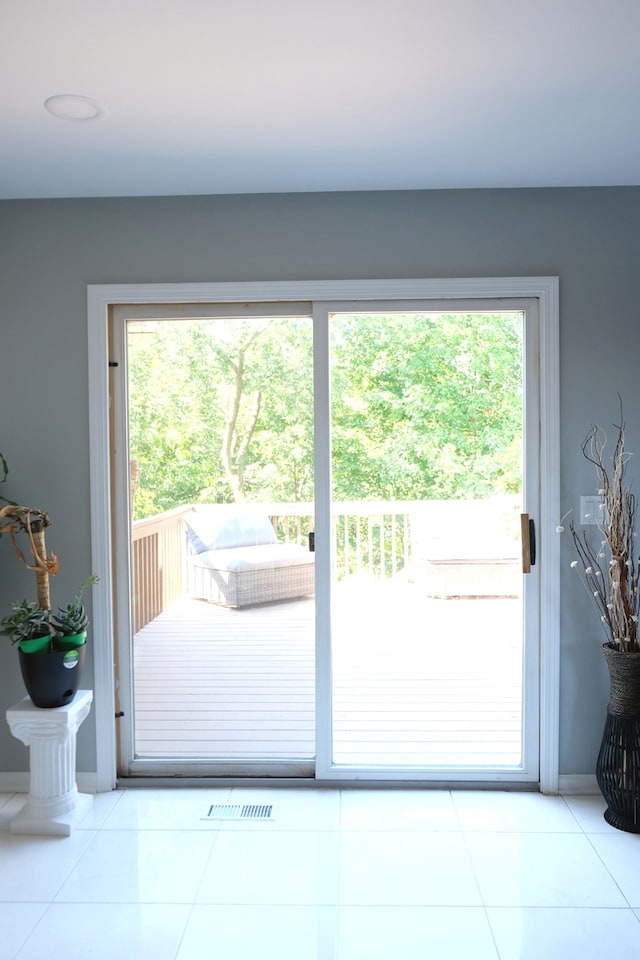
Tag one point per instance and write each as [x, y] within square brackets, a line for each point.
[99, 300]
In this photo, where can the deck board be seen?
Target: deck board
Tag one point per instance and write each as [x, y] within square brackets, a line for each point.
[217, 684]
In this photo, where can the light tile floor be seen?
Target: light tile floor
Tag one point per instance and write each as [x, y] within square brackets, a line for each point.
[335, 875]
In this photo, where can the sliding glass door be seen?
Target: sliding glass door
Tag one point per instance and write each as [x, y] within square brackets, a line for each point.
[403, 436]
[431, 664]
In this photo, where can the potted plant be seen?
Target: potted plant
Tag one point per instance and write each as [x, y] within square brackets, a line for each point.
[607, 561]
[51, 672]
[70, 622]
[50, 676]
[28, 626]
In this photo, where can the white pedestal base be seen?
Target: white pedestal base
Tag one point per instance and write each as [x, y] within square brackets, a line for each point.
[25, 821]
[53, 804]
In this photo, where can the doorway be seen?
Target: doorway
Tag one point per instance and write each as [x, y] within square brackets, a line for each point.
[347, 548]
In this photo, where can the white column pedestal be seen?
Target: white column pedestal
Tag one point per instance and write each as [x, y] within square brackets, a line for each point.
[53, 803]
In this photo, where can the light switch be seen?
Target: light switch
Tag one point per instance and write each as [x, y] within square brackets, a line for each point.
[590, 509]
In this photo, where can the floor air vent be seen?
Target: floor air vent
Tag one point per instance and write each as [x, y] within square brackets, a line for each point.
[239, 811]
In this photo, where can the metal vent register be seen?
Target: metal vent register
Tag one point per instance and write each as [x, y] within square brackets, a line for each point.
[239, 811]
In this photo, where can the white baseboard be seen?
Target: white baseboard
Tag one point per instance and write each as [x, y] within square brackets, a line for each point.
[19, 782]
[14, 782]
[577, 783]
[571, 784]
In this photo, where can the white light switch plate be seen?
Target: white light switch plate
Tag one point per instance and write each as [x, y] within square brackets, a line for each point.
[590, 509]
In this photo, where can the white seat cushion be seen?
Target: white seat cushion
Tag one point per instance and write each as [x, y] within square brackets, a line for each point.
[263, 557]
[223, 527]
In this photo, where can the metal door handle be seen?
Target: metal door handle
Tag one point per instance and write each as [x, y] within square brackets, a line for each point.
[528, 538]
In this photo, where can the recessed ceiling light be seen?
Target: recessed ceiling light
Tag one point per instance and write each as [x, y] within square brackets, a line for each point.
[70, 106]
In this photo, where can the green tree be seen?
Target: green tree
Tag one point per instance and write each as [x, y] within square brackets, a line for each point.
[426, 406]
[220, 410]
[423, 406]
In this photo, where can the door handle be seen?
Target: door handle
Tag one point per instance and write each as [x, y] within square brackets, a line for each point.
[312, 541]
[532, 541]
[528, 539]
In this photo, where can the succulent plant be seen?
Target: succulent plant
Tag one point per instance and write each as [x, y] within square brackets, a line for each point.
[72, 619]
[27, 621]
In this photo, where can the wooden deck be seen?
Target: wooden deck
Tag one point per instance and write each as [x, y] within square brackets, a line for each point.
[416, 681]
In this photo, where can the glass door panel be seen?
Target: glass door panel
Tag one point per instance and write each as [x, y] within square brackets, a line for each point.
[427, 649]
[220, 427]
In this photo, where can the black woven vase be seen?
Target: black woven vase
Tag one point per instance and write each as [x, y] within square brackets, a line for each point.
[618, 763]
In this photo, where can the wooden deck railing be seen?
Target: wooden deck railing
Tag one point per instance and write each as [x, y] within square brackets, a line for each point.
[371, 537]
[157, 564]
[368, 537]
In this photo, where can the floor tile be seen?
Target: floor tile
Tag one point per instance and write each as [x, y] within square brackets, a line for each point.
[272, 867]
[260, 933]
[102, 805]
[540, 870]
[104, 931]
[563, 933]
[139, 866]
[156, 809]
[589, 813]
[9, 809]
[293, 809]
[399, 868]
[620, 853]
[505, 811]
[17, 920]
[398, 810]
[414, 933]
[34, 868]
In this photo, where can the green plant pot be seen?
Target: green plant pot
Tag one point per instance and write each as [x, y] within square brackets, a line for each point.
[70, 643]
[35, 645]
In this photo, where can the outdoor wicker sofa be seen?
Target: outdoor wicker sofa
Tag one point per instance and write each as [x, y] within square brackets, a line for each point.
[235, 559]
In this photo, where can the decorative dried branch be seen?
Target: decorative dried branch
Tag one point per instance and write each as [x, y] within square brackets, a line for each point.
[16, 519]
[610, 567]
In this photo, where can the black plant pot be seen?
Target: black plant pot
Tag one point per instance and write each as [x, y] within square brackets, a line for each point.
[618, 763]
[52, 678]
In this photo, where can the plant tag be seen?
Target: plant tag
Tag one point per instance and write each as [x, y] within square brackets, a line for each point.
[70, 659]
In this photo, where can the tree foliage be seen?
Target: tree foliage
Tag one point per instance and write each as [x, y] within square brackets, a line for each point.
[423, 406]
[427, 405]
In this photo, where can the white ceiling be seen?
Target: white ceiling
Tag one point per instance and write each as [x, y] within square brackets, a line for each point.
[261, 96]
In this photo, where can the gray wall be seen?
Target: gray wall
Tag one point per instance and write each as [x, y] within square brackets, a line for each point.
[50, 250]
